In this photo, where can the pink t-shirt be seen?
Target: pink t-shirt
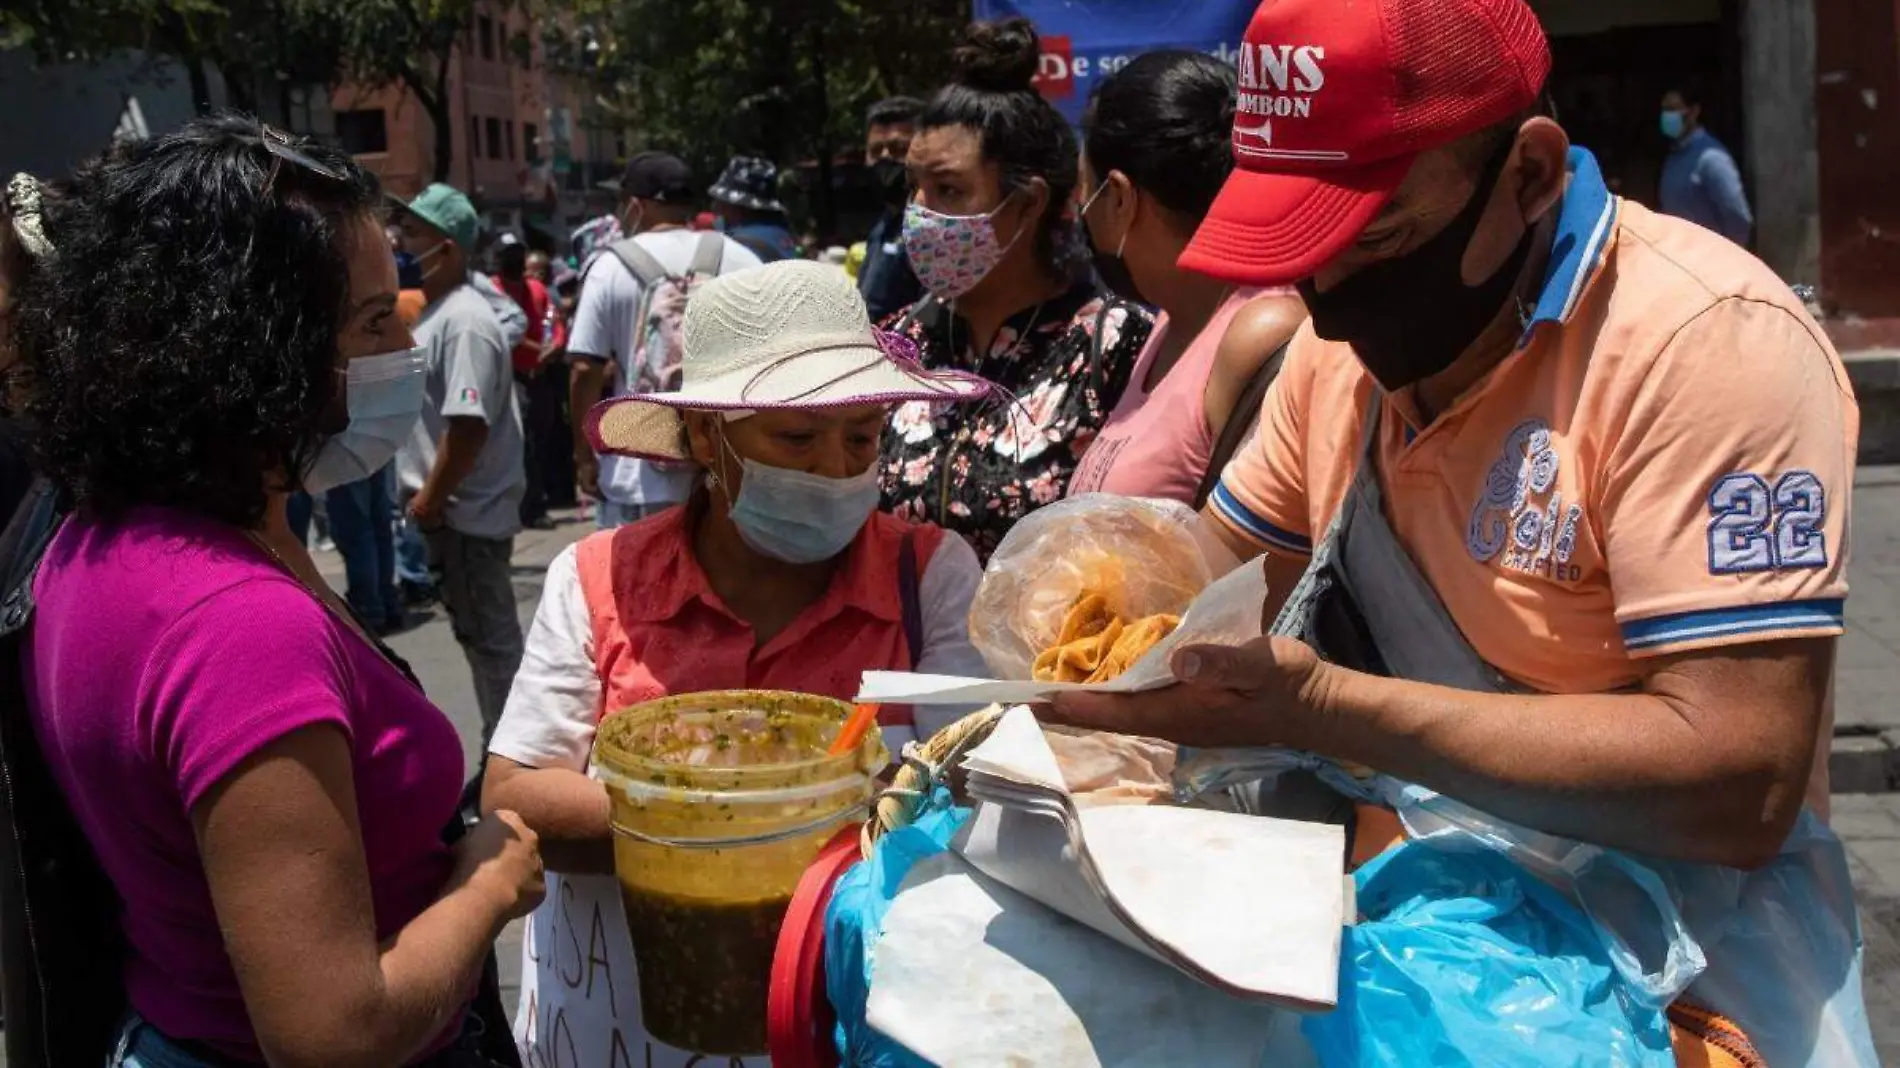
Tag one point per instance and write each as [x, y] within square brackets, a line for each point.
[167, 648]
[1158, 444]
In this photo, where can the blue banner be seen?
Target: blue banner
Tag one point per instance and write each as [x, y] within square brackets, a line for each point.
[1084, 41]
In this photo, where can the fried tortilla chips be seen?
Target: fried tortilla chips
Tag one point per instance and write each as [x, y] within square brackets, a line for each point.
[1096, 645]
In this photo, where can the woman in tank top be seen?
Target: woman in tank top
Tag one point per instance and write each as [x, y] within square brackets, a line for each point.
[1156, 152]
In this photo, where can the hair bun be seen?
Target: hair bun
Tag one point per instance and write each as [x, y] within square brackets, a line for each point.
[999, 57]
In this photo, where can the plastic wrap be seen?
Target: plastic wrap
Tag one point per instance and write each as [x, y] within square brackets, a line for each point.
[1145, 557]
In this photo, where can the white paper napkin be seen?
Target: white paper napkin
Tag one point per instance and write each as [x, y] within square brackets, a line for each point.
[971, 973]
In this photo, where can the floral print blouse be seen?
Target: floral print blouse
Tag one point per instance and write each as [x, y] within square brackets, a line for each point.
[978, 471]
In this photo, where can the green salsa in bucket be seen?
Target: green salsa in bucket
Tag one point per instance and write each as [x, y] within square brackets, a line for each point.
[720, 802]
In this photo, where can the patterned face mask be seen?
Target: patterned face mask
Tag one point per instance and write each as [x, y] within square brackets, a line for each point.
[952, 253]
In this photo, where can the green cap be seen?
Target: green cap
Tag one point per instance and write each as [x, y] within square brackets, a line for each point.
[445, 208]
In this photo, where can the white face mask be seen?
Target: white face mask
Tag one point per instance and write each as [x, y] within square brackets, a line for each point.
[797, 517]
[384, 397]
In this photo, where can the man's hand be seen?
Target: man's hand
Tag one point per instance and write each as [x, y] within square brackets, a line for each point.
[426, 510]
[1263, 693]
[587, 474]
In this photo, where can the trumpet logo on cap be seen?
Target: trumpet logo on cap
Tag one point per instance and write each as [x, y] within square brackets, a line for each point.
[1277, 82]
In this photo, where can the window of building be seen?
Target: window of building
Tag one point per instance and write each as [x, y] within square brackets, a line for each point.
[485, 34]
[531, 142]
[508, 137]
[494, 138]
[299, 116]
[363, 131]
[474, 137]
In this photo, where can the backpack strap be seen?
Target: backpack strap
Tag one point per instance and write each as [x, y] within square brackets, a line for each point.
[709, 256]
[640, 263]
[910, 594]
[1245, 416]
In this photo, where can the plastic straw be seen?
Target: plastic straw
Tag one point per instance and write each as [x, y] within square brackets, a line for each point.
[854, 730]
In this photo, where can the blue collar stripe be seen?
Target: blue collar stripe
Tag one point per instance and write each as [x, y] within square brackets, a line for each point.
[1586, 222]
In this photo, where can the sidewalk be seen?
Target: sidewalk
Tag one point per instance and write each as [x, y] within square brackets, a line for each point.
[1869, 673]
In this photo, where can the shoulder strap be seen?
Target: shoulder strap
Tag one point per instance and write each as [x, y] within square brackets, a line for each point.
[1245, 416]
[640, 263]
[910, 593]
[709, 256]
[21, 546]
[1098, 348]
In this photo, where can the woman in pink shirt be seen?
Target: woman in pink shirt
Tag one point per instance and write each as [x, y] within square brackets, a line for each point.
[264, 787]
[1157, 148]
[779, 573]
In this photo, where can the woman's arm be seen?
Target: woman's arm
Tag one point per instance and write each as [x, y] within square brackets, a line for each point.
[537, 763]
[283, 856]
[567, 810]
[1254, 334]
[945, 590]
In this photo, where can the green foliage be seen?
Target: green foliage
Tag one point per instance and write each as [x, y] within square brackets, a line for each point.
[785, 79]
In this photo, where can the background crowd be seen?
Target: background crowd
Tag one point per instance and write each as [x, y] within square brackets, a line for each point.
[797, 469]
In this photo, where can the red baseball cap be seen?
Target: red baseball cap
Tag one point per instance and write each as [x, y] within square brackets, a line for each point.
[1337, 99]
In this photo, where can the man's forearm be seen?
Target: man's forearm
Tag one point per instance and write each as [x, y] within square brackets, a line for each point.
[1632, 771]
[585, 384]
[455, 457]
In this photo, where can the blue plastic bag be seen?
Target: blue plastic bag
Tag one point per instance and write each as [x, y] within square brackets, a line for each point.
[1464, 958]
[854, 919]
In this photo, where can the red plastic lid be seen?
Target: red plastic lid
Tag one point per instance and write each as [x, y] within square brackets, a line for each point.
[798, 1015]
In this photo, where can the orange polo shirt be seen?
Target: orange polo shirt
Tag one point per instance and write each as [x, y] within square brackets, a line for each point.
[1666, 462]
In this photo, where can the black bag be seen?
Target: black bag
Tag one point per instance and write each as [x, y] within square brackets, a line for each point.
[60, 942]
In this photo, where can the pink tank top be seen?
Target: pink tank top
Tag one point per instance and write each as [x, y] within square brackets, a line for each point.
[1158, 444]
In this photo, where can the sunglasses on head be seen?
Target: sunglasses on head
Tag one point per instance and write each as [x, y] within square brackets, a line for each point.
[283, 149]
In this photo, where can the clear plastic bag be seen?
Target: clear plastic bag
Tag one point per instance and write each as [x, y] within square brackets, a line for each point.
[1146, 557]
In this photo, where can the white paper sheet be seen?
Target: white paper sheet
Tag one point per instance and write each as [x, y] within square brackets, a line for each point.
[1267, 896]
[971, 973]
[1226, 613]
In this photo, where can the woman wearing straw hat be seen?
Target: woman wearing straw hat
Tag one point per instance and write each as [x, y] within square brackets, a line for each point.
[779, 573]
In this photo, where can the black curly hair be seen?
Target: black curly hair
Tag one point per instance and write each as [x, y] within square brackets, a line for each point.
[183, 335]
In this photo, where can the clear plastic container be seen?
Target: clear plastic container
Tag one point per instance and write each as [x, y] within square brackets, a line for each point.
[720, 802]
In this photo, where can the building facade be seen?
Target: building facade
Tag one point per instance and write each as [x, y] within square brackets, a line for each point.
[1806, 93]
[518, 143]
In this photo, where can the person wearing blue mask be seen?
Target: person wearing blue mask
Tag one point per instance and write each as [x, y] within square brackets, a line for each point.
[1700, 181]
[780, 573]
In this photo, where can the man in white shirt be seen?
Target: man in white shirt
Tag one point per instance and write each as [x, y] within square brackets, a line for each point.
[657, 209]
[461, 472]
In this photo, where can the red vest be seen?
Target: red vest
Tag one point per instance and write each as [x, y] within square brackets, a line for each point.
[660, 630]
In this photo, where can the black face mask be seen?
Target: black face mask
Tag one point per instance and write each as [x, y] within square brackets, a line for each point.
[1409, 318]
[892, 179]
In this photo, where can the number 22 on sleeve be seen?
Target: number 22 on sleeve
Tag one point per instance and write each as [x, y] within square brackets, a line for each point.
[1753, 528]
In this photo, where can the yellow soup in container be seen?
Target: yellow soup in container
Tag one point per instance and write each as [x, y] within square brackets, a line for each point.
[720, 802]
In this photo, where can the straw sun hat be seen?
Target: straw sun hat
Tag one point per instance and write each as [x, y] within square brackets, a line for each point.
[789, 335]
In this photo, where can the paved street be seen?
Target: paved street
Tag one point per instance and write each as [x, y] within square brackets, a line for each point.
[1869, 674]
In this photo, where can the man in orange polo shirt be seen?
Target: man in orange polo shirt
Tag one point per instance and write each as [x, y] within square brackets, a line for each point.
[1559, 487]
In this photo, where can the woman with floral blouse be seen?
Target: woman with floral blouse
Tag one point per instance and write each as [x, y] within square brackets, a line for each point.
[991, 234]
